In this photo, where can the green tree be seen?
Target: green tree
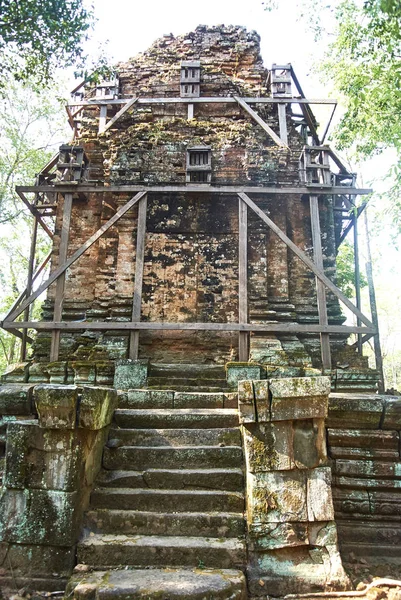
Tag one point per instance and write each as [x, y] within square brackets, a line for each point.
[31, 128]
[37, 36]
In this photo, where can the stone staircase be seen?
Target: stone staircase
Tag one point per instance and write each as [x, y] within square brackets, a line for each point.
[186, 377]
[166, 517]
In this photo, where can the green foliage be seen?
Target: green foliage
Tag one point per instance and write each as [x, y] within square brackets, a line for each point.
[31, 129]
[37, 36]
[346, 270]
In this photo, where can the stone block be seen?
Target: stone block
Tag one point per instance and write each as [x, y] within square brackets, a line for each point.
[356, 411]
[97, 407]
[39, 517]
[289, 571]
[16, 373]
[130, 374]
[362, 443]
[56, 406]
[84, 372]
[198, 400]
[309, 443]
[282, 372]
[268, 446]
[16, 399]
[231, 400]
[270, 536]
[246, 402]
[299, 398]
[392, 413]
[104, 373]
[36, 561]
[277, 497]
[262, 400]
[42, 458]
[58, 372]
[39, 373]
[320, 501]
[147, 399]
[349, 502]
[242, 371]
[323, 534]
[246, 413]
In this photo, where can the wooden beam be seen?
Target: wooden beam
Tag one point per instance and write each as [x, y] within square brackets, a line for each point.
[19, 335]
[153, 326]
[357, 278]
[59, 296]
[350, 225]
[208, 100]
[139, 263]
[102, 118]
[120, 113]
[62, 268]
[320, 289]
[282, 119]
[28, 289]
[243, 350]
[35, 212]
[23, 294]
[306, 260]
[260, 122]
[196, 188]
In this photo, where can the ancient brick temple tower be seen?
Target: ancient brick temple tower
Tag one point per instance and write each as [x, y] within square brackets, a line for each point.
[194, 122]
[192, 310]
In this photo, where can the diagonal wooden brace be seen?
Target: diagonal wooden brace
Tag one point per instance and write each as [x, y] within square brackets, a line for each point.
[62, 268]
[305, 259]
[261, 122]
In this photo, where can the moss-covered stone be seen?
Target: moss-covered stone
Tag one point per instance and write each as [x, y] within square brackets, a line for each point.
[39, 517]
[130, 374]
[97, 407]
[56, 406]
[237, 371]
[268, 446]
[16, 399]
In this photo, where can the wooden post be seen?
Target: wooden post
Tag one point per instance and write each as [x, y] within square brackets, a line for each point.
[282, 119]
[190, 111]
[102, 117]
[243, 350]
[373, 310]
[60, 284]
[139, 262]
[357, 278]
[31, 265]
[320, 289]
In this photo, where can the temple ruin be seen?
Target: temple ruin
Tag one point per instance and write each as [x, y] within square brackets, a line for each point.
[191, 419]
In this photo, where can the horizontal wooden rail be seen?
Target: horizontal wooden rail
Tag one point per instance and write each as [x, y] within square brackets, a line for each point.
[199, 189]
[208, 100]
[143, 325]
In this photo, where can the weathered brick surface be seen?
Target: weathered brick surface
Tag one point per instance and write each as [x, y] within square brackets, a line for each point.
[191, 254]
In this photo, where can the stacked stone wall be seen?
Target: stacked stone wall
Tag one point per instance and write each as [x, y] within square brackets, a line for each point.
[364, 450]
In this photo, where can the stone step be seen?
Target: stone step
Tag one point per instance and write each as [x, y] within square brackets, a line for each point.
[190, 457]
[177, 437]
[184, 382]
[176, 479]
[176, 418]
[136, 522]
[160, 584]
[104, 551]
[183, 370]
[167, 500]
[169, 399]
[184, 387]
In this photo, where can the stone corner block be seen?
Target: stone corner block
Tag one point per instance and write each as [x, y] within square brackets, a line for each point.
[16, 399]
[130, 374]
[299, 398]
[16, 373]
[238, 371]
[246, 402]
[97, 407]
[56, 405]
